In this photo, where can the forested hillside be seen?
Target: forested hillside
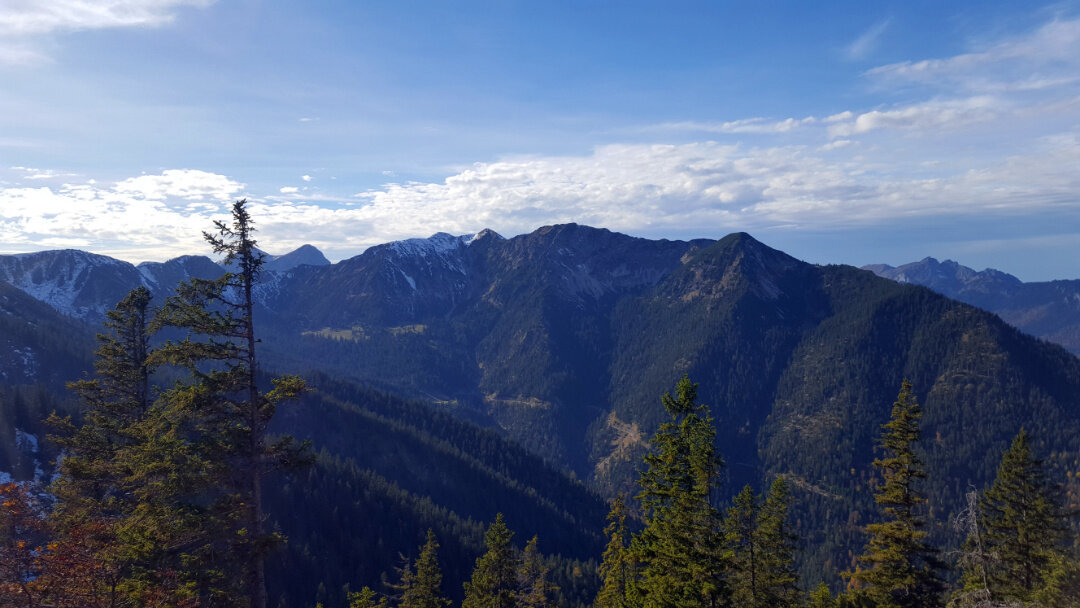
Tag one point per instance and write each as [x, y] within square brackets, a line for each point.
[1049, 309]
[455, 378]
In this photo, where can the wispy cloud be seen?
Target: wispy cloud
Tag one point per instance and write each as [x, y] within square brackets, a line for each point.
[1046, 57]
[745, 126]
[24, 22]
[32, 173]
[929, 117]
[27, 17]
[867, 42]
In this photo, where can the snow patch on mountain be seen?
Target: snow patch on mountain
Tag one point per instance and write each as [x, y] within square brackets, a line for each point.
[440, 249]
[59, 278]
[486, 233]
[438, 244]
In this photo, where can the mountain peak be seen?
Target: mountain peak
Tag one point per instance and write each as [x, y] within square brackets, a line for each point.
[738, 259]
[302, 255]
[948, 277]
[487, 234]
[437, 244]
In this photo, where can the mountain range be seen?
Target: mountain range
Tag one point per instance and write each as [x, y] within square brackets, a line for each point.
[1049, 309]
[562, 341]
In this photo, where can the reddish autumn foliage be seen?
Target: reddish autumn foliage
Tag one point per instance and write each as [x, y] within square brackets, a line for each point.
[41, 568]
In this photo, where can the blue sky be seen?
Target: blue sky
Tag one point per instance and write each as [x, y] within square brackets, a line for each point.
[839, 132]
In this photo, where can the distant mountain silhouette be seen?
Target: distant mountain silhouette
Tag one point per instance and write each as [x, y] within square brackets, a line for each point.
[1049, 310]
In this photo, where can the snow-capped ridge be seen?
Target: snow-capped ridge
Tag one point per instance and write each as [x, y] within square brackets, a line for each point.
[437, 244]
[73, 282]
[485, 234]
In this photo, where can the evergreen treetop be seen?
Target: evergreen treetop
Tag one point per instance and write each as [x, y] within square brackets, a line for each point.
[1024, 523]
[900, 567]
[679, 550]
[494, 580]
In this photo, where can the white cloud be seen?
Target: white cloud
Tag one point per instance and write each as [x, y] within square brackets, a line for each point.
[746, 125]
[26, 24]
[867, 42]
[707, 188]
[41, 174]
[190, 184]
[836, 144]
[929, 116]
[924, 158]
[147, 217]
[29, 17]
[1045, 58]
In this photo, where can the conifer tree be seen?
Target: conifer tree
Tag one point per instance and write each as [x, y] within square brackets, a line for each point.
[226, 414]
[742, 551]
[367, 598]
[759, 549]
[101, 487]
[421, 586]
[494, 581]
[776, 550]
[679, 550]
[616, 568]
[1024, 523]
[534, 588]
[92, 472]
[900, 567]
[821, 597]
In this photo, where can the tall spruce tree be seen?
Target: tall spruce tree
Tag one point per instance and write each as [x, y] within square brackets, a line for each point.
[759, 549]
[742, 550]
[1024, 524]
[776, 550]
[92, 472]
[227, 414]
[116, 519]
[494, 581]
[679, 551]
[99, 484]
[421, 585]
[901, 569]
[616, 567]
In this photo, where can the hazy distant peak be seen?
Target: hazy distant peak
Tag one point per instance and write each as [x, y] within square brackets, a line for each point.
[878, 269]
[302, 255]
[987, 288]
